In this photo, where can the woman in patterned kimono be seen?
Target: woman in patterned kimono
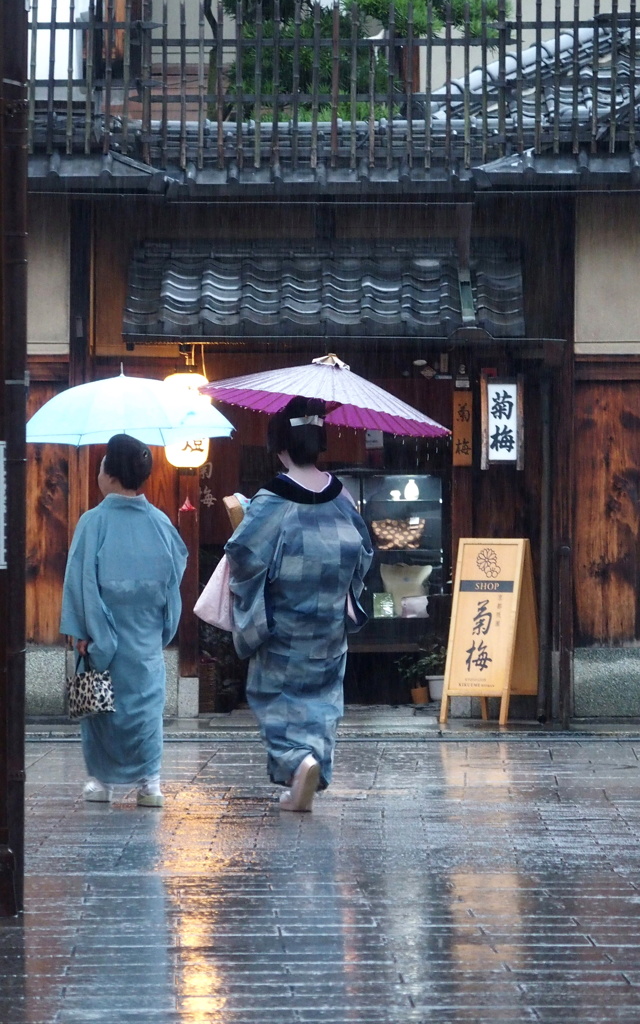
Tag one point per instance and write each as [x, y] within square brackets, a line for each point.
[121, 601]
[297, 565]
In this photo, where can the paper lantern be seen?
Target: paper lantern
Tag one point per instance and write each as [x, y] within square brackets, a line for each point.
[194, 452]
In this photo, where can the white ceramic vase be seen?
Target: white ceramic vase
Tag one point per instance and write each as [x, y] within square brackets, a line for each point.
[436, 685]
[411, 490]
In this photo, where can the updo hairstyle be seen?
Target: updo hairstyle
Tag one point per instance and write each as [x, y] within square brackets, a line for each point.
[304, 441]
[128, 460]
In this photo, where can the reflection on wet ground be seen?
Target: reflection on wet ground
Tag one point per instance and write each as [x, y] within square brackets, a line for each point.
[435, 882]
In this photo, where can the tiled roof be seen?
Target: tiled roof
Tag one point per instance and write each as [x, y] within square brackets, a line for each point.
[200, 291]
[557, 69]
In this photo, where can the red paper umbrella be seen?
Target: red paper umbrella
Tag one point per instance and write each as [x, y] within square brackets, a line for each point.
[353, 400]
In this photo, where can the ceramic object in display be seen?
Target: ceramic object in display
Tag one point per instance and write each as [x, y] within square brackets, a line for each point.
[411, 490]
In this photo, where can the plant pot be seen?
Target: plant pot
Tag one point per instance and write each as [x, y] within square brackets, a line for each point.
[436, 685]
[420, 694]
[218, 694]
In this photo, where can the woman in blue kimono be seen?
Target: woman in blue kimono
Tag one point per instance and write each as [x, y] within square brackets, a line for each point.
[297, 563]
[121, 601]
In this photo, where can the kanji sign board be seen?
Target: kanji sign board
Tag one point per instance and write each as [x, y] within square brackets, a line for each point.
[462, 440]
[502, 422]
[493, 637]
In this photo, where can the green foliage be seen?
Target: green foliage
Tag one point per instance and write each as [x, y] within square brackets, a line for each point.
[427, 22]
[305, 68]
[250, 10]
[305, 113]
[379, 10]
[375, 61]
[429, 661]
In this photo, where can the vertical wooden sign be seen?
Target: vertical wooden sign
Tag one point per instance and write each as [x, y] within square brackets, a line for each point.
[462, 443]
[502, 422]
[493, 637]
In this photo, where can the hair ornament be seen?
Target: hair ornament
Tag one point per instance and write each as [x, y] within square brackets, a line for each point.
[307, 421]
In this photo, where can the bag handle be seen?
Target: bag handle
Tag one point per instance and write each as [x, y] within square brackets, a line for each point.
[87, 662]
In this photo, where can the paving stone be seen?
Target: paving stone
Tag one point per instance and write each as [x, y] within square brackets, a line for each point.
[455, 881]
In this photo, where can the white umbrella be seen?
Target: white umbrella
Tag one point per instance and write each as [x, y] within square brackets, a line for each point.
[154, 412]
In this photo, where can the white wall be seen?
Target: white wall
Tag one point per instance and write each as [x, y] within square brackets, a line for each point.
[48, 277]
[607, 308]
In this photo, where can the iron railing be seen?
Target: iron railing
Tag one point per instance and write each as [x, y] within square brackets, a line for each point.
[180, 86]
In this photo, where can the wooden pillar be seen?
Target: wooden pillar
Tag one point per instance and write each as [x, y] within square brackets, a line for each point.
[562, 259]
[548, 241]
[462, 476]
[13, 389]
[80, 332]
[461, 507]
[563, 500]
[189, 527]
[410, 68]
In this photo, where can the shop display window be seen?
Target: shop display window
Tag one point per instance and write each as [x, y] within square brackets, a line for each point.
[409, 575]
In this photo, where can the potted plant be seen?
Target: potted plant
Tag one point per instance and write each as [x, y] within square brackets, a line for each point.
[221, 672]
[424, 670]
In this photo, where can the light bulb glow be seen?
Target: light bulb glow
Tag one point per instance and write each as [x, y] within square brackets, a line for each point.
[192, 381]
[194, 452]
[188, 454]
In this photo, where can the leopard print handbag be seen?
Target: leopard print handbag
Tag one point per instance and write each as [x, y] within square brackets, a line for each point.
[89, 692]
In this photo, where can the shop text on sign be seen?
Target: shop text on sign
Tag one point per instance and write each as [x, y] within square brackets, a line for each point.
[493, 638]
[470, 585]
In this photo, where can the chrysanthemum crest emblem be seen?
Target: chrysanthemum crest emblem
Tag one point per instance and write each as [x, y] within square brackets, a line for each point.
[487, 562]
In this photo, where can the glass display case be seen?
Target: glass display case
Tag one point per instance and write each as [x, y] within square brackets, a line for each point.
[408, 578]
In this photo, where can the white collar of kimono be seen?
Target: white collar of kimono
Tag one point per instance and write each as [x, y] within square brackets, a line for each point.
[139, 498]
[307, 421]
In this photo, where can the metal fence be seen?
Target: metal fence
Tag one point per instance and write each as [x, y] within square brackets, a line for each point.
[306, 86]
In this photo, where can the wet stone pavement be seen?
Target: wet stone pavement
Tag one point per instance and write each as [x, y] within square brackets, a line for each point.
[435, 882]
